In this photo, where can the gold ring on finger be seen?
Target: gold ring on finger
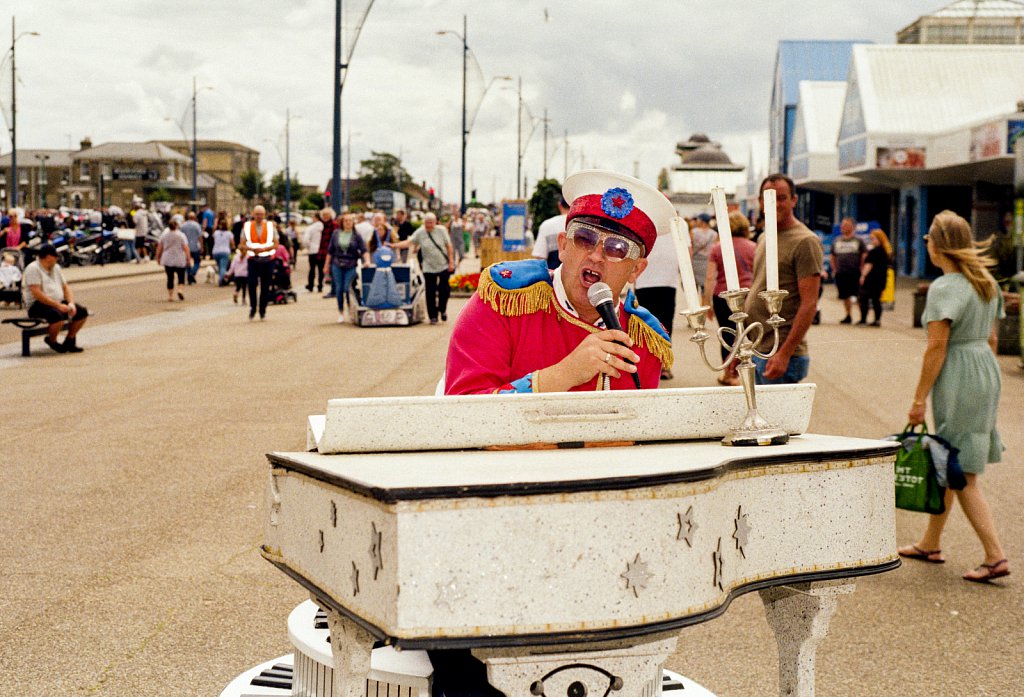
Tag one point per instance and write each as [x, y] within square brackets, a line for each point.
[607, 357]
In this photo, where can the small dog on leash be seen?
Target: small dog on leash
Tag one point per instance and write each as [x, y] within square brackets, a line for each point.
[210, 274]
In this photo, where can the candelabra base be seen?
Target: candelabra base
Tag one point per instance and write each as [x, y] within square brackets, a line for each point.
[761, 436]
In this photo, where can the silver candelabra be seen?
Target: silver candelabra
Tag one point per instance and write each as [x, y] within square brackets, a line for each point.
[741, 343]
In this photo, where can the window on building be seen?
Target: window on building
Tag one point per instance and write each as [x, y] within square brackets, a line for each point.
[995, 34]
[84, 171]
[170, 171]
[947, 34]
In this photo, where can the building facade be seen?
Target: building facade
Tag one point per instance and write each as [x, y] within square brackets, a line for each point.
[224, 163]
[703, 165]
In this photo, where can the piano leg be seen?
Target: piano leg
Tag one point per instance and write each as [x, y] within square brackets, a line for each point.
[799, 615]
[626, 670]
[351, 647]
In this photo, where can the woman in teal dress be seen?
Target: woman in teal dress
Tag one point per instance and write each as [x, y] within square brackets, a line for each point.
[960, 372]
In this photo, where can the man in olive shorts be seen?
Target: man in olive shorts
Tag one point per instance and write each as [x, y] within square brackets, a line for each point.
[48, 297]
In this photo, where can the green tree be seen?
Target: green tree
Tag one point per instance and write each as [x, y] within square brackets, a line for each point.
[161, 194]
[544, 202]
[381, 171]
[251, 186]
[663, 180]
[278, 185]
[314, 200]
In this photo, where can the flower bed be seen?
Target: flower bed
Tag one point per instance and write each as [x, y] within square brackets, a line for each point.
[464, 284]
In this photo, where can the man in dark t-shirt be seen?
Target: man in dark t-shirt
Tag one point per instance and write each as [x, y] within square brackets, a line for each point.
[848, 252]
[404, 228]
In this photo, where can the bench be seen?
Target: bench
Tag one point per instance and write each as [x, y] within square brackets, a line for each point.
[30, 327]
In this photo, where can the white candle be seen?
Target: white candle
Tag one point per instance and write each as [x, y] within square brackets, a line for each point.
[771, 240]
[681, 233]
[732, 277]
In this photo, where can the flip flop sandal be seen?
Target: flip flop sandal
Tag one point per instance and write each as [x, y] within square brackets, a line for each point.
[990, 572]
[922, 555]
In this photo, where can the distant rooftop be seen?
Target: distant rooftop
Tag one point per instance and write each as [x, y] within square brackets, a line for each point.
[968, 22]
[981, 8]
[205, 144]
[27, 157]
[810, 60]
[132, 151]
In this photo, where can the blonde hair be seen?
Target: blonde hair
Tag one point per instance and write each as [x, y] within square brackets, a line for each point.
[327, 214]
[952, 238]
[9, 258]
[739, 224]
[882, 239]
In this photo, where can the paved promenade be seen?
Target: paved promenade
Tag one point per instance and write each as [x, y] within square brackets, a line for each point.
[132, 502]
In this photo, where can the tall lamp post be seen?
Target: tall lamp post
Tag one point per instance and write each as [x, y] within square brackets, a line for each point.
[465, 58]
[14, 113]
[286, 159]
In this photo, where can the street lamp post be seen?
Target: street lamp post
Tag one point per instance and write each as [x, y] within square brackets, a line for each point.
[14, 114]
[42, 181]
[465, 59]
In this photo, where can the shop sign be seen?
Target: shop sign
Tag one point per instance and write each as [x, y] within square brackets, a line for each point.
[146, 175]
[900, 158]
[513, 226]
[1014, 130]
[987, 141]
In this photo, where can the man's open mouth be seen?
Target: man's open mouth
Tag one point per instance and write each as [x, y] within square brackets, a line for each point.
[590, 277]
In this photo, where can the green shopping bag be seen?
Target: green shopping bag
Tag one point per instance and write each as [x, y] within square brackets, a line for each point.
[917, 487]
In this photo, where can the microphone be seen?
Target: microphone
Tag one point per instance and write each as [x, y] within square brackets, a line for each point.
[600, 296]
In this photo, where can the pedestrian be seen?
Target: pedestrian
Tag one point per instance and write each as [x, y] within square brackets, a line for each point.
[874, 276]
[657, 286]
[702, 239]
[382, 235]
[311, 243]
[48, 297]
[404, 229]
[344, 252]
[260, 237]
[239, 272]
[223, 245]
[173, 253]
[848, 253]
[800, 259]
[960, 372]
[457, 233]
[438, 264]
[714, 283]
[194, 234]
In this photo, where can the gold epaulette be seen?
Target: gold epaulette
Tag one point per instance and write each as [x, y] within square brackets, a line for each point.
[514, 302]
[644, 335]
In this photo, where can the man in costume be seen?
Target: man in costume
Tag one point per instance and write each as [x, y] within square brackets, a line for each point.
[528, 329]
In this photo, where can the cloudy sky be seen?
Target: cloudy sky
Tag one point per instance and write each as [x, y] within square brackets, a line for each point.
[627, 80]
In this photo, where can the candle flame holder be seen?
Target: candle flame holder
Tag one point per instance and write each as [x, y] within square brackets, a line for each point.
[741, 342]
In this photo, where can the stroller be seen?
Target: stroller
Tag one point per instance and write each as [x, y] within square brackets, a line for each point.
[281, 284]
[10, 281]
[390, 294]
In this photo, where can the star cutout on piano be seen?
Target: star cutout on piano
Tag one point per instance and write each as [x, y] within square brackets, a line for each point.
[448, 594]
[355, 579]
[637, 575]
[687, 526]
[742, 533]
[716, 562]
[376, 554]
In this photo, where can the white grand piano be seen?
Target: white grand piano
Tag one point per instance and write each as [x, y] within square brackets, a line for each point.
[568, 539]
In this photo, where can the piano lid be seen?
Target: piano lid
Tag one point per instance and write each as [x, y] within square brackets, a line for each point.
[391, 477]
[402, 424]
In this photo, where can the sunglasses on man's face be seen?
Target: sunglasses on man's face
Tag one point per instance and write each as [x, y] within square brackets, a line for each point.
[615, 247]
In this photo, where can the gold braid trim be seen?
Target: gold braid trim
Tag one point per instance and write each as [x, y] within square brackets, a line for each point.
[516, 302]
[642, 334]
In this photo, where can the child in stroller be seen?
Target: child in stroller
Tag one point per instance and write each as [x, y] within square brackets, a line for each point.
[10, 278]
[281, 282]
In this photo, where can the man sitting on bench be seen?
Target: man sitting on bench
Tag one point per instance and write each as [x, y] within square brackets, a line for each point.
[48, 297]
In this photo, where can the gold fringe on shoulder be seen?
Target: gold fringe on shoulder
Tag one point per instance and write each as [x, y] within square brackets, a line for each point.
[516, 302]
[641, 333]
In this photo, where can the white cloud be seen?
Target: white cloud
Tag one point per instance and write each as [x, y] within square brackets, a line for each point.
[626, 88]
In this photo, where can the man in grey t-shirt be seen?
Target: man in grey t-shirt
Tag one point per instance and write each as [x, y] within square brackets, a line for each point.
[438, 263]
[194, 234]
[49, 298]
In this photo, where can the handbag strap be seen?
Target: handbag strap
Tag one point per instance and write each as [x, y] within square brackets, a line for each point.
[909, 430]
